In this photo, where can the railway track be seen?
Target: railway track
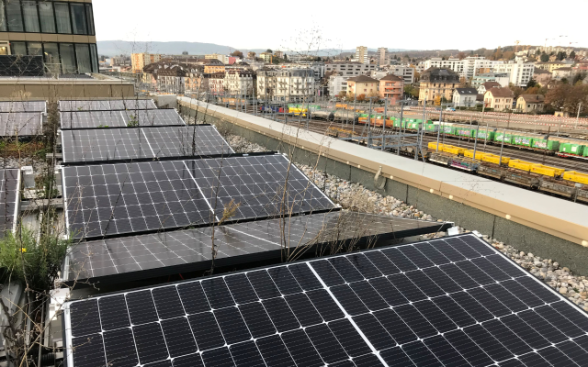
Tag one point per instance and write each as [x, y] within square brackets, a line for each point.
[360, 131]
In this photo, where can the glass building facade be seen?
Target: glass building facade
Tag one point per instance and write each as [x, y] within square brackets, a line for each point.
[61, 31]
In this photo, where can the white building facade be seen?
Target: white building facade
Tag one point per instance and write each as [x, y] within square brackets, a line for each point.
[520, 73]
[239, 83]
[286, 85]
[350, 68]
[337, 84]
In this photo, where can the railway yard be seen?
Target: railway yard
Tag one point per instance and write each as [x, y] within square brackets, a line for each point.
[535, 166]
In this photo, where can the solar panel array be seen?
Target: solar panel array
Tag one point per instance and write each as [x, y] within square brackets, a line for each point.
[112, 199]
[23, 106]
[9, 199]
[173, 252]
[21, 124]
[447, 302]
[113, 119]
[107, 105]
[154, 142]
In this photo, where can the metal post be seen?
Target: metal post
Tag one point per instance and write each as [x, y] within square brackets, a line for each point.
[476, 141]
[353, 115]
[307, 115]
[578, 116]
[369, 126]
[501, 149]
[439, 127]
[418, 141]
[384, 123]
[400, 129]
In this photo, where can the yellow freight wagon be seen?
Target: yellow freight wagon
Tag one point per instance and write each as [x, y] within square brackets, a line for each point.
[547, 170]
[574, 176]
[520, 165]
[453, 150]
[493, 158]
[470, 154]
[433, 146]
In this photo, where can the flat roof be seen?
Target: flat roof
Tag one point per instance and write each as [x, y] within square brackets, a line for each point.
[555, 216]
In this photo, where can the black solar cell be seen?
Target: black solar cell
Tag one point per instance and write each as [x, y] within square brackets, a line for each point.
[23, 106]
[346, 324]
[21, 124]
[95, 145]
[107, 105]
[119, 119]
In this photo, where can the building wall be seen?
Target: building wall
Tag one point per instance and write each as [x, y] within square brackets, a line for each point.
[350, 69]
[367, 89]
[337, 84]
[464, 100]
[361, 54]
[433, 90]
[391, 90]
[47, 88]
[63, 40]
[497, 103]
[140, 60]
[525, 107]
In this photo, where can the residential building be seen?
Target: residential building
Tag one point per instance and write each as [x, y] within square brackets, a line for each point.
[172, 79]
[391, 88]
[382, 55]
[501, 78]
[520, 72]
[62, 33]
[403, 71]
[286, 85]
[529, 103]
[213, 66]
[551, 66]
[222, 58]
[542, 76]
[437, 84]
[317, 66]
[279, 54]
[361, 55]
[487, 86]
[464, 97]
[266, 56]
[346, 68]
[140, 60]
[215, 83]
[451, 63]
[363, 85]
[563, 73]
[337, 84]
[240, 83]
[499, 99]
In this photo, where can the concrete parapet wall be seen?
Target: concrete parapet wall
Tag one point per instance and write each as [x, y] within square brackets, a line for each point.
[470, 201]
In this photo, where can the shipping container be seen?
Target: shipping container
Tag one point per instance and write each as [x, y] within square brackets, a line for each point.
[494, 159]
[470, 154]
[431, 127]
[486, 135]
[467, 132]
[522, 140]
[543, 144]
[547, 170]
[570, 148]
[448, 129]
[453, 150]
[574, 176]
[433, 146]
[520, 165]
[501, 135]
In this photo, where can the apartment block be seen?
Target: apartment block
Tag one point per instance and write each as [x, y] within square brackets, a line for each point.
[346, 68]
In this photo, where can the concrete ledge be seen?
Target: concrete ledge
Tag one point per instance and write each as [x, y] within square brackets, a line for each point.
[544, 225]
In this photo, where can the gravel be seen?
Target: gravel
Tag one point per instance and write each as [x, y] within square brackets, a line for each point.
[353, 196]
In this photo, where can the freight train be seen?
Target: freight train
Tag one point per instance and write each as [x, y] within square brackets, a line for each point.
[570, 185]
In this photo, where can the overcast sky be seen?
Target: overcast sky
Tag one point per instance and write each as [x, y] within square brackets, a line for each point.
[287, 25]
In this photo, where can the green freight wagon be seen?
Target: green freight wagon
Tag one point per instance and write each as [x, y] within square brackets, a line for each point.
[522, 140]
[463, 131]
[486, 135]
[544, 144]
[431, 127]
[501, 135]
[448, 129]
[413, 125]
[570, 148]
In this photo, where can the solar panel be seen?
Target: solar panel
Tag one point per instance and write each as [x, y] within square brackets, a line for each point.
[94, 145]
[167, 253]
[94, 119]
[461, 303]
[164, 117]
[21, 124]
[107, 105]
[120, 198]
[9, 199]
[110, 119]
[23, 106]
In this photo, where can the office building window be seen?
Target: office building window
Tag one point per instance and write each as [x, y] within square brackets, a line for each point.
[51, 51]
[31, 16]
[35, 48]
[14, 15]
[62, 18]
[83, 58]
[90, 17]
[94, 58]
[2, 17]
[47, 17]
[78, 16]
[18, 48]
[68, 58]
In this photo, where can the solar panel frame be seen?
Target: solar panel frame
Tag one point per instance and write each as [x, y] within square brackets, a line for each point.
[82, 146]
[167, 253]
[93, 194]
[23, 106]
[119, 119]
[106, 105]
[339, 335]
[9, 195]
[22, 124]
